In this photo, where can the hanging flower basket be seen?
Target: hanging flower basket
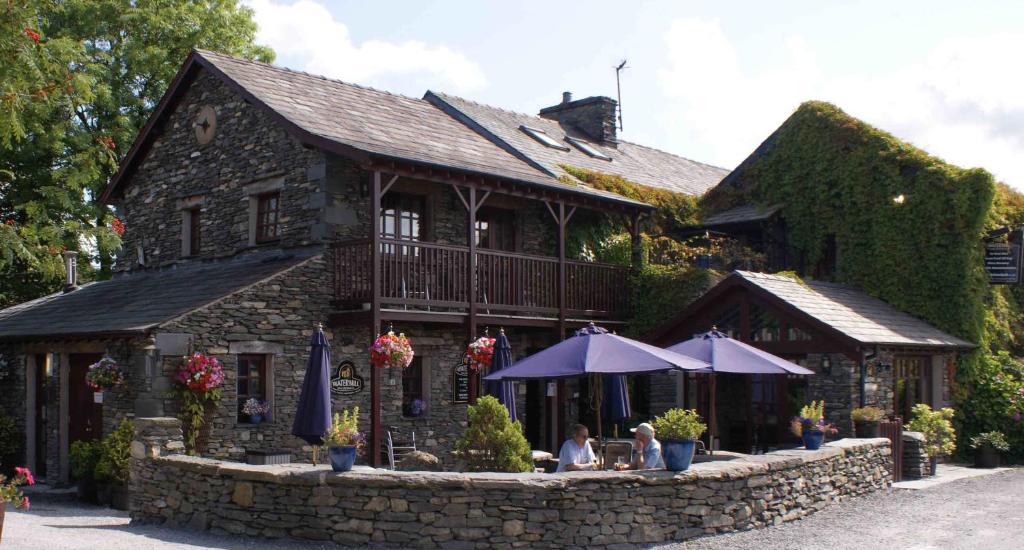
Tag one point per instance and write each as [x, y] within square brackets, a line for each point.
[479, 353]
[201, 373]
[199, 380]
[390, 351]
[104, 375]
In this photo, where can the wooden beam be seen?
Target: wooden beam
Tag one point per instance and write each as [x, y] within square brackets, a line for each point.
[375, 282]
[562, 304]
[461, 197]
[384, 190]
[483, 199]
[471, 281]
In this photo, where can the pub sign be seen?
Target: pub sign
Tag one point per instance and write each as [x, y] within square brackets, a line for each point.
[1002, 263]
[345, 380]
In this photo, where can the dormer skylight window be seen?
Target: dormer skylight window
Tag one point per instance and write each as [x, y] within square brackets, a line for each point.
[587, 148]
[542, 137]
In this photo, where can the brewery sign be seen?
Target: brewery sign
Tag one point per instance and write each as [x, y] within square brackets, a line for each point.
[345, 381]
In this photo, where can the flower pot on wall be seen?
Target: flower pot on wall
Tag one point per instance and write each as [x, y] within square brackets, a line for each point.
[986, 456]
[812, 439]
[255, 419]
[678, 454]
[866, 429]
[342, 458]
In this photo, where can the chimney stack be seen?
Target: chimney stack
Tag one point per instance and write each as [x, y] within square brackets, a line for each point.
[70, 270]
[593, 116]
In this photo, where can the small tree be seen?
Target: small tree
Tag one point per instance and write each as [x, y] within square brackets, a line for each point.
[492, 442]
[937, 427]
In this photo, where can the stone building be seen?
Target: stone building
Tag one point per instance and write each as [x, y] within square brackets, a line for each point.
[260, 201]
[862, 350]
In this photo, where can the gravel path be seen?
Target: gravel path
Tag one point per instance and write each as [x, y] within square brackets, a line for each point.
[986, 512]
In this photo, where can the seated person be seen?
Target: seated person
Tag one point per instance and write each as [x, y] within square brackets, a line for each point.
[646, 450]
[576, 453]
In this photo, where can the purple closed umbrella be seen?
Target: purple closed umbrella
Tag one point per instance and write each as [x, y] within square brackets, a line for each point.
[503, 390]
[732, 356]
[313, 412]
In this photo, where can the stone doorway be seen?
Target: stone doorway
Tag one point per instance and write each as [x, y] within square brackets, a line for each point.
[85, 422]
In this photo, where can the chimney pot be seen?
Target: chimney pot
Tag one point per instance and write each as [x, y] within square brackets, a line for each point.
[566, 97]
[70, 270]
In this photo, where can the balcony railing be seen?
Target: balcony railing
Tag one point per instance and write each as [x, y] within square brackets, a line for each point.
[433, 277]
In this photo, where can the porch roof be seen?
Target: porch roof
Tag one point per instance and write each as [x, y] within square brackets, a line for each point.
[134, 303]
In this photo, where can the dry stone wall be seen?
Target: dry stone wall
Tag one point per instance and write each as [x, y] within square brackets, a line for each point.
[491, 510]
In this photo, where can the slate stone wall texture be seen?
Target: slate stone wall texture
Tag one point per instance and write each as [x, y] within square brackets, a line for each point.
[433, 510]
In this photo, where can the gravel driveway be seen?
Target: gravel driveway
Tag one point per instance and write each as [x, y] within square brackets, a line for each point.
[986, 512]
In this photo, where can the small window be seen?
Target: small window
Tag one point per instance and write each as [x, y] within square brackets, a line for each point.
[414, 402]
[542, 137]
[587, 148]
[252, 381]
[267, 217]
[194, 233]
[496, 229]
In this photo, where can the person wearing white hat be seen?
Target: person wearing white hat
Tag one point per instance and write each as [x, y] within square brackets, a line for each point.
[646, 449]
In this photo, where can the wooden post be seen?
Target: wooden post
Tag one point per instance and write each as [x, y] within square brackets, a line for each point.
[375, 318]
[561, 270]
[471, 284]
[637, 244]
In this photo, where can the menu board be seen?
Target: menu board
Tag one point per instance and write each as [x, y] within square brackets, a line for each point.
[460, 383]
[1002, 263]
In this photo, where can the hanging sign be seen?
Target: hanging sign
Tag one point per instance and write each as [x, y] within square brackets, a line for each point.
[460, 383]
[345, 381]
[1002, 263]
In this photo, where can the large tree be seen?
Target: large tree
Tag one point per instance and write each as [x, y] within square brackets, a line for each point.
[79, 79]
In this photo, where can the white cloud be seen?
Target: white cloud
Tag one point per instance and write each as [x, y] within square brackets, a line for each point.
[305, 32]
[962, 102]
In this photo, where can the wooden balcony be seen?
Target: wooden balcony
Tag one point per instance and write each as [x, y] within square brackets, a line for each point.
[434, 279]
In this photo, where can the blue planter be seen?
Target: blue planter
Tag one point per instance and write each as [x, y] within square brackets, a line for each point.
[256, 418]
[342, 458]
[813, 439]
[678, 454]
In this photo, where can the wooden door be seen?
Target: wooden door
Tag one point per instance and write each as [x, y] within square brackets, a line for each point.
[86, 422]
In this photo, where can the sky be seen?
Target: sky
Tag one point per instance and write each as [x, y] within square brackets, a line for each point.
[705, 80]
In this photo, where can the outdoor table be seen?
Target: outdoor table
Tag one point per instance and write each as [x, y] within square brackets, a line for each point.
[541, 456]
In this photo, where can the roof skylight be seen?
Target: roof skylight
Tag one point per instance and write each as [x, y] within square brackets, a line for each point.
[542, 137]
[586, 148]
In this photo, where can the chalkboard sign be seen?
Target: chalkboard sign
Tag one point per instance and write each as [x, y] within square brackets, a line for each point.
[345, 381]
[460, 383]
[1002, 263]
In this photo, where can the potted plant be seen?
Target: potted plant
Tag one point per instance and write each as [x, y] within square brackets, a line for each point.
[112, 468]
[937, 427]
[343, 440]
[9, 492]
[104, 375]
[391, 352]
[866, 421]
[84, 456]
[810, 426]
[679, 430]
[199, 387]
[255, 409]
[987, 447]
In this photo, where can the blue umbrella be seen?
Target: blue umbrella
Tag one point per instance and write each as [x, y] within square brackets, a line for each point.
[504, 390]
[313, 412]
[616, 407]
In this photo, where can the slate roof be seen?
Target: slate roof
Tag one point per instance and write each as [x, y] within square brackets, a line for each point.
[854, 313]
[136, 302]
[637, 163]
[740, 214]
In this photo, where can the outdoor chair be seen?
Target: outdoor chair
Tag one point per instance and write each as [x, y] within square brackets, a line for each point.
[613, 450]
[397, 445]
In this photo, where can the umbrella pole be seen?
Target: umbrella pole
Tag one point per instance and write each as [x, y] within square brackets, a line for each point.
[315, 449]
[714, 416]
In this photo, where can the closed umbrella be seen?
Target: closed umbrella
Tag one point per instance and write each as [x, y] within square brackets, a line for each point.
[503, 390]
[616, 407]
[732, 356]
[313, 412]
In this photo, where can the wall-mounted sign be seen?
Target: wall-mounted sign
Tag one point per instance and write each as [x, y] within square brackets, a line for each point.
[1002, 263]
[460, 383]
[345, 381]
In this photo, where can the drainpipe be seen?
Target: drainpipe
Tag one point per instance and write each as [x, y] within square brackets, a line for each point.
[70, 270]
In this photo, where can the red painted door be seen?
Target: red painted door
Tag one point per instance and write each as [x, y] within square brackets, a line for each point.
[86, 423]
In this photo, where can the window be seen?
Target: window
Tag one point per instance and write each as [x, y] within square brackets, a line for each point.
[194, 232]
[587, 148]
[252, 381]
[267, 217]
[764, 325]
[401, 218]
[542, 137]
[414, 402]
[496, 229]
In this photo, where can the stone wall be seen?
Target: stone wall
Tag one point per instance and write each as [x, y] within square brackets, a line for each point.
[484, 510]
[915, 460]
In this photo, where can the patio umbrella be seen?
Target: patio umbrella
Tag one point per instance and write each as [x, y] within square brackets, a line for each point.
[593, 350]
[504, 390]
[616, 401]
[728, 355]
[313, 412]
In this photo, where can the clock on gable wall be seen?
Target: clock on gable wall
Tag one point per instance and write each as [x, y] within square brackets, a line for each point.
[206, 125]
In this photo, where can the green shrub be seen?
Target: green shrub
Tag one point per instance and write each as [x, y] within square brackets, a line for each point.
[937, 427]
[11, 445]
[115, 456]
[996, 440]
[84, 457]
[679, 424]
[492, 442]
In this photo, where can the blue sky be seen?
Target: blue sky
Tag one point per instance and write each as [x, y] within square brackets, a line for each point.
[706, 80]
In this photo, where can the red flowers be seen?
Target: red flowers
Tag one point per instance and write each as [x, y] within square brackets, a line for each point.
[27, 474]
[479, 353]
[9, 221]
[35, 36]
[201, 373]
[107, 142]
[117, 226]
[25, 503]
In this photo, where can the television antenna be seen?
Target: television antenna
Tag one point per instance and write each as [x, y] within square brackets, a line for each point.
[618, 87]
